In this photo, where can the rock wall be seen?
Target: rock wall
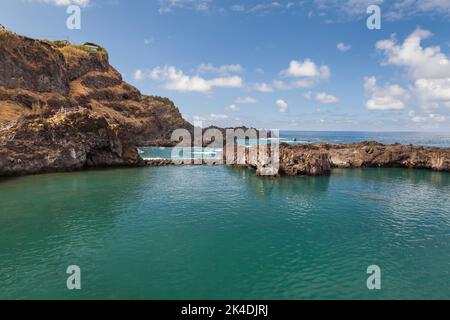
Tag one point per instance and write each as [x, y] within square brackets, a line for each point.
[63, 107]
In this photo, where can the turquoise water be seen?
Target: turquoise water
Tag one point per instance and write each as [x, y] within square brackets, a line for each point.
[178, 153]
[222, 233]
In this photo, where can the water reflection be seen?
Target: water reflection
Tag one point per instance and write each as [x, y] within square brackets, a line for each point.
[264, 186]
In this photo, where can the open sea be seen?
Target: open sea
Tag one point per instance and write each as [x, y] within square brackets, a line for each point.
[205, 232]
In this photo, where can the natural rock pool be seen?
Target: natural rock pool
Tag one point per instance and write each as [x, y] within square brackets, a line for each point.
[223, 233]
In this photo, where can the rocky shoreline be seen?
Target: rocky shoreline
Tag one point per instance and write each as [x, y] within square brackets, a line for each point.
[64, 108]
[319, 159]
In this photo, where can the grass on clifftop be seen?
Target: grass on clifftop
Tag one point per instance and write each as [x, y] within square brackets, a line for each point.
[70, 50]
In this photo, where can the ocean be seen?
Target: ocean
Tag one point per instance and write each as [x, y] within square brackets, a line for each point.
[427, 139]
[430, 139]
[205, 232]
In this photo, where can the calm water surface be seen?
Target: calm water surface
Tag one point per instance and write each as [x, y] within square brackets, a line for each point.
[222, 233]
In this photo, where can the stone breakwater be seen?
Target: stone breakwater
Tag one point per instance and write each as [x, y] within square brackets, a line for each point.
[319, 159]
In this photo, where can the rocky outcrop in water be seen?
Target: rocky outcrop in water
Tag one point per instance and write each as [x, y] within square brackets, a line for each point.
[319, 159]
[64, 107]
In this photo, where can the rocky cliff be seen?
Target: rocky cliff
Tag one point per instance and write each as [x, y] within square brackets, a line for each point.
[64, 107]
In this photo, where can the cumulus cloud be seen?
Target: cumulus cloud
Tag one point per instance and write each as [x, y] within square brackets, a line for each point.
[342, 47]
[177, 80]
[419, 62]
[282, 105]
[389, 97]
[306, 69]
[299, 74]
[427, 68]
[321, 97]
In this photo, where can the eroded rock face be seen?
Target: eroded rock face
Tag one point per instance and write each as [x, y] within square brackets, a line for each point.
[30, 64]
[63, 107]
[296, 161]
[319, 159]
[373, 154]
[62, 142]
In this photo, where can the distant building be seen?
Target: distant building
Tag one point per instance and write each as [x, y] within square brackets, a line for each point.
[92, 47]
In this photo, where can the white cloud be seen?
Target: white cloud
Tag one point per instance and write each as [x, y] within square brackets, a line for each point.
[427, 68]
[166, 6]
[222, 70]
[329, 10]
[419, 62]
[430, 119]
[262, 87]
[177, 80]
[306, 69]
[211, 117]
[246, 100]
[265, 7]
[302, 74]
[81, 3]
[299, 74]
[390, 97]
[342, 47]
[139, 75]
[399, 9]
[282, 105]
[347, 7]
[321, 97]
[233, 108]
[407, 8]
[433, 93]
[289, 5]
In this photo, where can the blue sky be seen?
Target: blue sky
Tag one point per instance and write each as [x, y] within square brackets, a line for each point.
[290, 65]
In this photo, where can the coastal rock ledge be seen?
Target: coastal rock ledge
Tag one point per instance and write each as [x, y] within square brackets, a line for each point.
[319, 159]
